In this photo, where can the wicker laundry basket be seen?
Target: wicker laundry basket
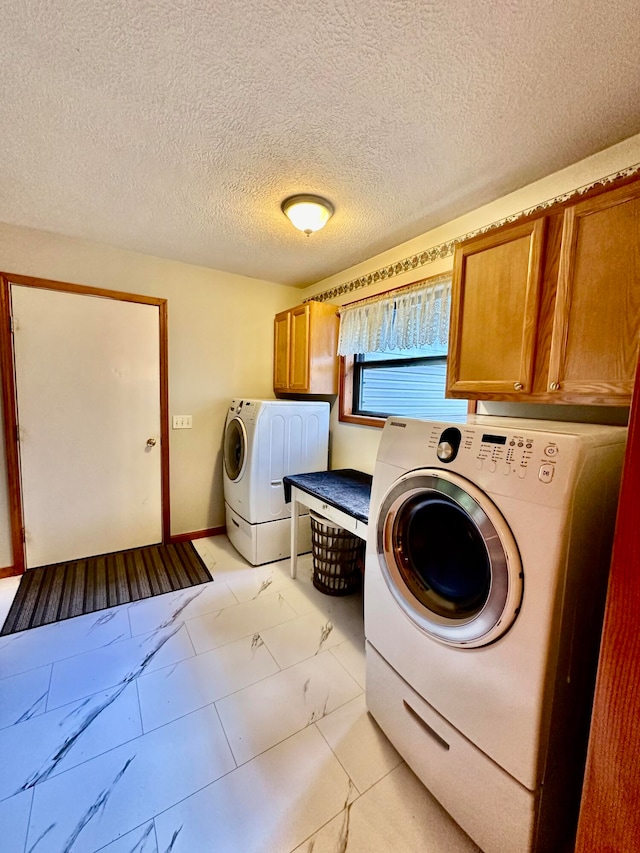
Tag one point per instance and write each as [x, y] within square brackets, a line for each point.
[338, 557]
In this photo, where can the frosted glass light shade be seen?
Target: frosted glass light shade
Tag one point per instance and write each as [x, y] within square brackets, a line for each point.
[308, 213]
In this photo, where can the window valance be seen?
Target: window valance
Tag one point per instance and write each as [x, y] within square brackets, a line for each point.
[413, 316]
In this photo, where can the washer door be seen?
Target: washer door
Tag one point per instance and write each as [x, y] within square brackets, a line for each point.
[449, 558]
[235, 448]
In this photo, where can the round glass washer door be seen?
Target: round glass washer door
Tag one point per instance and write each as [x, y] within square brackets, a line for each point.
[449, 558]
[235, 448]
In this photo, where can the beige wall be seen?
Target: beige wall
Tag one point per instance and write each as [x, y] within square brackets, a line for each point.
[355, 446]
[220, 346]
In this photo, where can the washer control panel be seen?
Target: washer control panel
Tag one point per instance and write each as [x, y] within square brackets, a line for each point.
[507, 454]
[248, 409]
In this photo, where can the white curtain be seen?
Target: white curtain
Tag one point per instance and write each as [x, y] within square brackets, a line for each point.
[413, 317]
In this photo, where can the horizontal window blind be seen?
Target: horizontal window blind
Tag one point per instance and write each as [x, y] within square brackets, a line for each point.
[415, 390]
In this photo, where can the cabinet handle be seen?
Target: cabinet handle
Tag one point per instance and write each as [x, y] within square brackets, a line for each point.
[518, 386]
[554, 386]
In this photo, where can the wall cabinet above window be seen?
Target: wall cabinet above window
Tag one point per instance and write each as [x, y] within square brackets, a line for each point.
[549, 310]
[305, 347]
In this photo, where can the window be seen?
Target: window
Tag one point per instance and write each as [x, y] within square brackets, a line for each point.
[394, 349]
[408, 382]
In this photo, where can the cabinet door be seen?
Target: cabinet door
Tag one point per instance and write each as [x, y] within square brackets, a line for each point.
[299, 357]
[494, 312]
[594, 345]
[281, 351]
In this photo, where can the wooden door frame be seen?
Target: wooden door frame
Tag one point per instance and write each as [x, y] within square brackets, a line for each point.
[610, 814]
[7, 365]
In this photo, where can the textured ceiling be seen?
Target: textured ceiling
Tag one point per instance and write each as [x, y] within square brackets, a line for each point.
[177, 127]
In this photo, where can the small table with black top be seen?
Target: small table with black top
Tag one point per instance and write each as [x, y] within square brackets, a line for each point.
[341, 497]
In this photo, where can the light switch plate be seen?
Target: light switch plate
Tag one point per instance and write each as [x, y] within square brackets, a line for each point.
[182, 421]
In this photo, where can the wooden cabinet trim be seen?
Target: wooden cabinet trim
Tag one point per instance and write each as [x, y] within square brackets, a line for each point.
[560, 331]
[532, 303]
[279, 369]
[300, 350]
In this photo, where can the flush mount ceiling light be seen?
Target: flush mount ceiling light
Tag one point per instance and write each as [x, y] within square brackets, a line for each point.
[308, 213]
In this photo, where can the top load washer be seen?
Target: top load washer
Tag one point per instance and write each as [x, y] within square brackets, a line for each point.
[486, 567]
[264, 440]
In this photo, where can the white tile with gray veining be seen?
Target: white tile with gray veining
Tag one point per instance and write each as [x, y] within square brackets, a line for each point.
[266, 713]
[228, 716]
[241, 620]
[249, 584]
[39, 646]
[268, 805]
[49, 744]
[162, 611]
[302, 638]
[24, 696]
[142, 839]
[113, 665]
[352, 657]
[358, 743]
[396, 814]
[176, 690]
[344, 611]
[100, 800]
[14, 821]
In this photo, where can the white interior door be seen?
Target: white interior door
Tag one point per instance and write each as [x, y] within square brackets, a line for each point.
[88, 401]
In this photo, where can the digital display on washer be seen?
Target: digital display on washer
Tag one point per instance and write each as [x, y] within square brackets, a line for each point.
[494, 439]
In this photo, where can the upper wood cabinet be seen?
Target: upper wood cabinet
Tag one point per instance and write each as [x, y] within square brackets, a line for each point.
[305, 349]
[549, 310]
[494, 311]
[594, 344]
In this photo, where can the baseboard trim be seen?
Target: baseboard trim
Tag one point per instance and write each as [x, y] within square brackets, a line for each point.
[10, 572]
[198, 534]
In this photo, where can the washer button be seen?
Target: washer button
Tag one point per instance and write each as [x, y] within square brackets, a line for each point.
[546, 472]
[551, 450]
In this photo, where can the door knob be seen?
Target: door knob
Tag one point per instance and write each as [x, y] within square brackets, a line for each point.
[151, 442]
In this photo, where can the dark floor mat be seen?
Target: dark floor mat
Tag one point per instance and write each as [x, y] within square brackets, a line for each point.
[53, 593]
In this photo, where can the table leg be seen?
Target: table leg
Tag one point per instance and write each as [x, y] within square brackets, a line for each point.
[295, 515]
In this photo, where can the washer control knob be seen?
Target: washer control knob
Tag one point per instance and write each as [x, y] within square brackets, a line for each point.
[445, 451]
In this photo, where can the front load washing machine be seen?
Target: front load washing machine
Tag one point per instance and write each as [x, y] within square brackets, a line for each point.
[264, 440]
[486, 569]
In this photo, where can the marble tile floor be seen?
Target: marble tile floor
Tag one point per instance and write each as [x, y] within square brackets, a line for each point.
[225, 717]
